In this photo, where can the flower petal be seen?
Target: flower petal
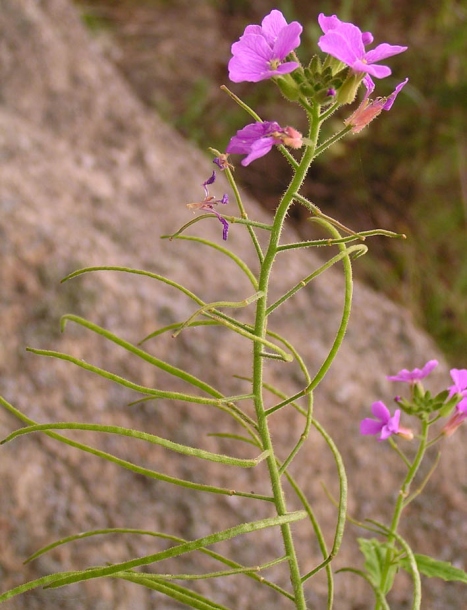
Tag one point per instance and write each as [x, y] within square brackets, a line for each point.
[251, 59]
[416, 375]
[382, 51]
[258, 149]
[287, 40]
[373, 69]
[387, 106]
[459, 376]
[391, 427]
[370, 426]
[272, 25]
[344, 43]
[380, 410]
[328, 23]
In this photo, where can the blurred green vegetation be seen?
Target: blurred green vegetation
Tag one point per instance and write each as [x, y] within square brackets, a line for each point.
[406, 172]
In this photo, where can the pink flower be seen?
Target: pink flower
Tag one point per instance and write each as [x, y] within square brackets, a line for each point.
[261, 51]
[459, 376]
[416, 375]
[346, 42]
[384, 425]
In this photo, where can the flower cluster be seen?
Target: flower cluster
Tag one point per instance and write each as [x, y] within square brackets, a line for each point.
[455, 396]
[266, 51]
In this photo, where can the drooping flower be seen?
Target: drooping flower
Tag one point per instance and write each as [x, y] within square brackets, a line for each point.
[384, 424]
[370, 109]
[346, 42]
[256, 140]
[416, 375]
[261, 51]
[209, 202]
[222, 162]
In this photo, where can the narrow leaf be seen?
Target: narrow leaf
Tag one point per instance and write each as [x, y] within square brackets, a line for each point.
[212, 307]
[236, 259]
[161, 364]
[134, 467]
[150, 438]
[181, 549]
[32, 584]
[172, 590]
[125, 382]
[216, 556]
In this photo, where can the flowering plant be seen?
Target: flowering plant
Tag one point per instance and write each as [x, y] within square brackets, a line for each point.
[320, 88]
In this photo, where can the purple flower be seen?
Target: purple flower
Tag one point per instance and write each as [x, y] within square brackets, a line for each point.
[415, 375]
[209, 202]
[384, 425]
[346, 42]
[370, 109]
[256, 140]
[260, 52]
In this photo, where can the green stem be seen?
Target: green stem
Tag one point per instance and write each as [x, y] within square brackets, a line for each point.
[258, 367]
[332, 140]
[400, 505]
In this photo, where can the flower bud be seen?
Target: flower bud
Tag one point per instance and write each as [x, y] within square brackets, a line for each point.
[405, 433]
[292, 138]
[290, 89]
[335, 64]
[346, 94]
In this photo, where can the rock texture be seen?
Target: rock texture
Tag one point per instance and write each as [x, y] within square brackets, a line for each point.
[88, 176]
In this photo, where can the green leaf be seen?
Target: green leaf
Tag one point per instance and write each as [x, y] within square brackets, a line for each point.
[180, 549]
[150, 438]
[212, 307]
[154, 276]
[125, 382]
[161, 364]
[173, 590]
[237, 567]
[375, 559]
[32, 584]
[237, 260]
[130, 465]
[434, 568]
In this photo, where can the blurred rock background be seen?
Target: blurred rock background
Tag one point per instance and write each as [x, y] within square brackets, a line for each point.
[90, 175]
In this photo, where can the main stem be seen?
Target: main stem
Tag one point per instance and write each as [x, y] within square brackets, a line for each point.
[258, 357]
